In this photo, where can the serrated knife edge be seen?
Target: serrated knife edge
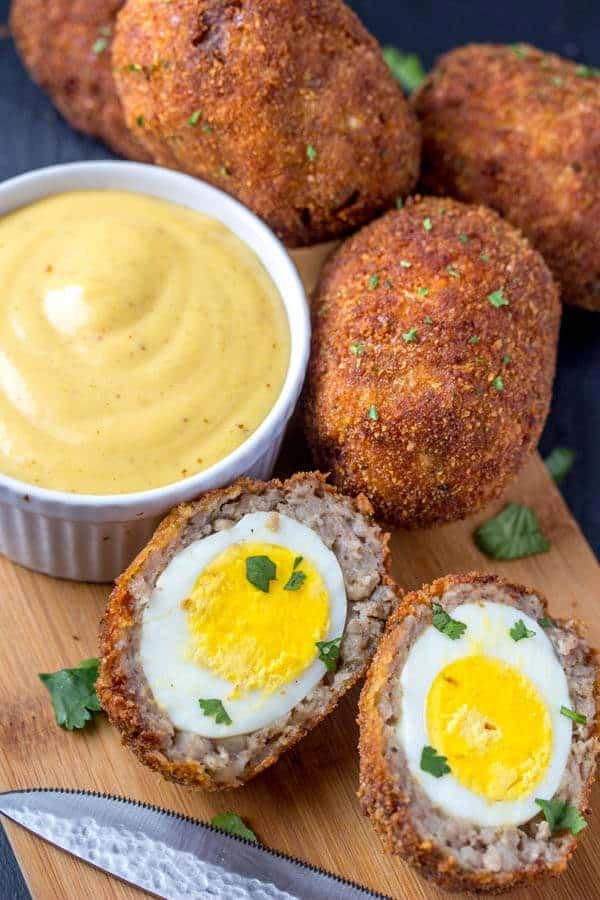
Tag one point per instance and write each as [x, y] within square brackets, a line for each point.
[312, 873]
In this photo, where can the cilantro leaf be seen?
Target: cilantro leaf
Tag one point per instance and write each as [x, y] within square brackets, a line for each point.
[329, 653]
[406, 68]
[215, 708]
[452, 628]
[295, 581]
[559, 462]
[512, 534]
[519, 631]
[433, 763]
[260, 570]
[579, 718]
[232, 824]
[498, 299]
[562, 817]
[73, 693]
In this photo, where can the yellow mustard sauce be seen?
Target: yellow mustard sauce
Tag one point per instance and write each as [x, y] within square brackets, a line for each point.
[140, 342]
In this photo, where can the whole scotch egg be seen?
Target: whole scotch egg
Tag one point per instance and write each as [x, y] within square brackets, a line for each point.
[478, 734]
[240, 626]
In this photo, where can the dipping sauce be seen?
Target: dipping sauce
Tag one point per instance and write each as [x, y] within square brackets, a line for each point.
[140, 342]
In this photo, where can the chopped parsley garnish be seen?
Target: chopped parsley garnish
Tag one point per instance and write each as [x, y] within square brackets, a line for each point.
[557, 80]
[506, 358]
[207, 127]
[260, 571]
[297, 562]
[427, 223]
[463, 238]
[452, 271]
[134, 67]
[475, 339]
[194, 118]
[428, 320]
[224, 171]
[519, 631]
[587, 72]
[406, 68]
[232, 824]
[513, 534]
[519, 50]
[139, 121]
[373, 282]
[562, 817]
[498, 383]
[215, 708]
[423, 291]
[329, 653]
[372, 413]
[433, 763]
[295, 581]
[452, 628]
[546, 622]
[100, 45]
[73, 693]
[559, 462]
[572, 714]
[405, 264]
[311, 152]
[357, 348]
[498, 299]
[484, 257]
[410, 336]
[399, 202]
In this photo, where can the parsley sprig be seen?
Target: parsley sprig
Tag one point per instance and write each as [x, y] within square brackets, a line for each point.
[432, 762]
[329, 653]
[562, 817]
[513, 534]
[452, 628]
[73, 693]
[519, 631]
[406, 68]
[215, 708]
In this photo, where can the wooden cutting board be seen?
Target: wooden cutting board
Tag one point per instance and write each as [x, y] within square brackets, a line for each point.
[305, 805]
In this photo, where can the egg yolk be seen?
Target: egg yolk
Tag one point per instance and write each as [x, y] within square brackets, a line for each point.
[254, 639]
[492, 725]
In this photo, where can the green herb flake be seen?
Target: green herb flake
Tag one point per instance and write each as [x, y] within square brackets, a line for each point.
[559, 462]
[99, 45]
[295, 581]
[423, 291]
[579, 718]
[475, 339]
[427, 224]
[557, 81]
[373, 413]
[194, 118]
[134, 67]
[231, 823]
[498, 299]
[506, 358]
[405, 264]
[373, 282]
[207, 127]
[329, 653]
[406, 68]
[562, 817]
[399, 202]
[139, 121]
[297, 562]
[452, 628]
[311, 152]
[452, 271]
[215, 708]
[519, 50]
[519, 631]
[463, 238]
[433, 763]
[73, 693]
[484, 257]
[546, 622]
[428, 320]
[513, 534]
[410, 336]
[260, 571]
[587, 72]
[357, 348]
[498, 383]
[224, 171]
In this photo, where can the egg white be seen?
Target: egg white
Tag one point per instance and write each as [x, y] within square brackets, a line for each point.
[176, 682]
[488, 626]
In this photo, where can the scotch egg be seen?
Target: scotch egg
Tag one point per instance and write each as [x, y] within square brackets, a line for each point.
[478, 738]
[241, 624]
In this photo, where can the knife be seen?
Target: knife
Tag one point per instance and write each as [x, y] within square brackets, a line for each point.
[167, 854]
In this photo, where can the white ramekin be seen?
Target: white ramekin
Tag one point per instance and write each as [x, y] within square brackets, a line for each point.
[91, 537]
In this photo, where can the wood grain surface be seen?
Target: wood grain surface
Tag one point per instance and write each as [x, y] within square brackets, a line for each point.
[305, 805]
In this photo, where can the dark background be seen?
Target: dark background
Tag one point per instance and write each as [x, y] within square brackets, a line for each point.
[33, 135]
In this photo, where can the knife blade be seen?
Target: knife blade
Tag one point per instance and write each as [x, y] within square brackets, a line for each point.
[167, 854]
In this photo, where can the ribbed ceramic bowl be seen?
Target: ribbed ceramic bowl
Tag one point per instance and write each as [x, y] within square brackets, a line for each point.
[92, 537]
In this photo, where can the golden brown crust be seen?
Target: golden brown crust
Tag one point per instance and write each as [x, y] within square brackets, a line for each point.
[447, 439]
[519, 130]
[66, 48]
[317, 145]
[113, 685]
[385, 802]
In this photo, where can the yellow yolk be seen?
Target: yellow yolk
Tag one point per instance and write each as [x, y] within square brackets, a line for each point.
[491, 724]
[256, 640]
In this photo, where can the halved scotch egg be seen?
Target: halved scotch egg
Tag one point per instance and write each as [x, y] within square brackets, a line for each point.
[240, 626]
[478, 734]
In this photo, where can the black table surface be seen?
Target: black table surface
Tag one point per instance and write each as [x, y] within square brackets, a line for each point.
[32, 134]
